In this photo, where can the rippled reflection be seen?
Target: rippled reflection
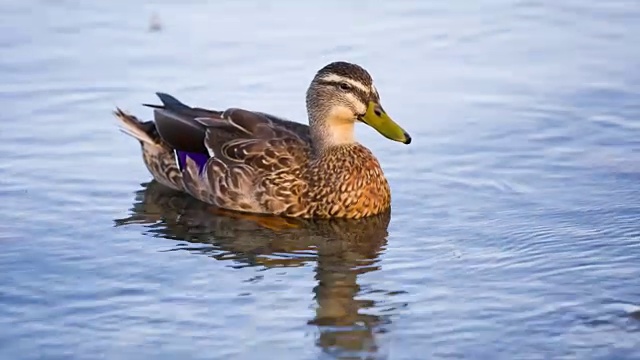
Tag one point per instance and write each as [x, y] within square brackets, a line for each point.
[342, 249]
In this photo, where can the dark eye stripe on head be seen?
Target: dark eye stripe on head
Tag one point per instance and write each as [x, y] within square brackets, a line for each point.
[362, 95]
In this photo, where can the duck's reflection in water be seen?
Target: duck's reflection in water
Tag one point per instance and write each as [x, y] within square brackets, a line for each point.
[342, 249]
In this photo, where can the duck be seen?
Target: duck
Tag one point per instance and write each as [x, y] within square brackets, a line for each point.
[255, 162]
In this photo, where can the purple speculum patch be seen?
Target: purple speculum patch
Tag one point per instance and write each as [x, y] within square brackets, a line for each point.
[200, 159]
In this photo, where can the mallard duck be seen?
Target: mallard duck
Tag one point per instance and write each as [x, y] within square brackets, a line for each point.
[256, 162]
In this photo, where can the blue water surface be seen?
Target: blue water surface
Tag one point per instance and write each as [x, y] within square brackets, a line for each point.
[514, 231]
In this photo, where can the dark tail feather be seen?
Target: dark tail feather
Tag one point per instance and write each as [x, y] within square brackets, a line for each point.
[176, 125]
[170, 103]
[181, 132]
[154, 106]
[174, 105]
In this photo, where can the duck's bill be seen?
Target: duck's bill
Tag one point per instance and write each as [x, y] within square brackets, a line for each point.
[378, 119]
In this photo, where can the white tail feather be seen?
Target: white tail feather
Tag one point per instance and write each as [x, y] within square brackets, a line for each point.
[138, 134]
[131, 126]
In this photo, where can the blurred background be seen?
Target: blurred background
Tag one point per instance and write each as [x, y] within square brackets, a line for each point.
[514, 231]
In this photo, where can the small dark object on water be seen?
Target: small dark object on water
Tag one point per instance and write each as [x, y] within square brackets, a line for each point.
[154, 23]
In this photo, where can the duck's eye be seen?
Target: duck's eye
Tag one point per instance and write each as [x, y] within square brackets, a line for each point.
[345, 86]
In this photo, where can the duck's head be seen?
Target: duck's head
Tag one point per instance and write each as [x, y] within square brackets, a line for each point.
[341, 94]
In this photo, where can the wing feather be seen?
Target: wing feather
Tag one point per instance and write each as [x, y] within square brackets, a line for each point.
[255, 158]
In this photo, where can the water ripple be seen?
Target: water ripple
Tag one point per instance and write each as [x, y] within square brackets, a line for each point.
[513, 232]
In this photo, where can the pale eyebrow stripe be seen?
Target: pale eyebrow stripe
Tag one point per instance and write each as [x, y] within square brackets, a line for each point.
[338, 78]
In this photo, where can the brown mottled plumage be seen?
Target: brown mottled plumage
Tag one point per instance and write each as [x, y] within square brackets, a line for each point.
[260, 163]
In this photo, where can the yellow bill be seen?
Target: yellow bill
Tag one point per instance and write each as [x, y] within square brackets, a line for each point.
[378, 119]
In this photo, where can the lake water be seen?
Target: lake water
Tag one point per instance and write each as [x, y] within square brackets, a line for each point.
[514, 232]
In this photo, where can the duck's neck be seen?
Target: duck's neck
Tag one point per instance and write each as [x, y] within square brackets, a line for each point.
[331, 131]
